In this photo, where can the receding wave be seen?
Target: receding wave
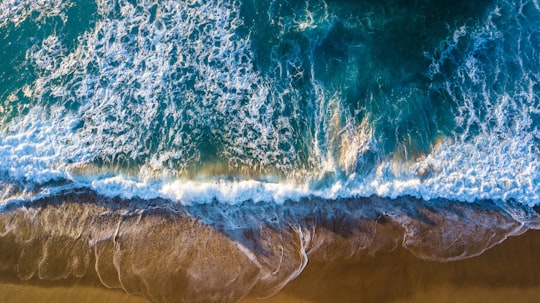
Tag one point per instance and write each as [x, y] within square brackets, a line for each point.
[218, 252]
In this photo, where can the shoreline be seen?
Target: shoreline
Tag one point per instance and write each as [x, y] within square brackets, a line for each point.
[506, 272]
[313, 250]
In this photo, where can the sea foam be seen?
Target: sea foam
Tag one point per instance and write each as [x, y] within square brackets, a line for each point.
[152, 94]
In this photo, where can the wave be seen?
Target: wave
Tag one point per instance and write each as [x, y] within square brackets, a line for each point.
[178, 101]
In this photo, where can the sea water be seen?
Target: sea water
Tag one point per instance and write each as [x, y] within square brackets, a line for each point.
[238, 101]
[236, 139]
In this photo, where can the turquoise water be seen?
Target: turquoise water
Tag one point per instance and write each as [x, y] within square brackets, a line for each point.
[240, 100]
[206, 150]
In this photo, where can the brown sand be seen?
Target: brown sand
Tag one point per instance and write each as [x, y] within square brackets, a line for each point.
[509, 272]
[70, 248]
[506, 273]
[14, 293]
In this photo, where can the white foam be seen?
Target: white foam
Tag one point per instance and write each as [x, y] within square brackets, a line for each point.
[183, 63]
[37, 148]
[220, 95]
[457, 171]
[483, 169]
[233, 192]
[16, 11]
[454, 171]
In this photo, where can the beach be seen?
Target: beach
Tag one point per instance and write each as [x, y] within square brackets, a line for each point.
[78, 244]
[507, 272]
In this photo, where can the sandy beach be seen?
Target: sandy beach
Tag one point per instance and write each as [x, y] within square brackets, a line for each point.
[80, 247]
[507, 272]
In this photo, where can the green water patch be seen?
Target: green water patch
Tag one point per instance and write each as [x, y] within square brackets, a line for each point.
[19, 40]
[370, 54]
[15, 70]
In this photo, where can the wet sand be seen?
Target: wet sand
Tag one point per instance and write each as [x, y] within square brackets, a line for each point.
[79, 247]
[17, 293]
[507, 273]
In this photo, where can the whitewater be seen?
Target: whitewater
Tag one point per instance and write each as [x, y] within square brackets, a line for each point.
[176, 100]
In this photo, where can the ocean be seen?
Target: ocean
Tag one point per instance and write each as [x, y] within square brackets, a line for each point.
[260, 134]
